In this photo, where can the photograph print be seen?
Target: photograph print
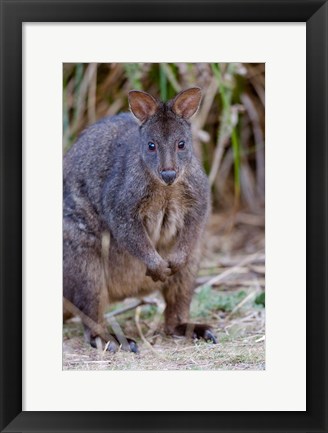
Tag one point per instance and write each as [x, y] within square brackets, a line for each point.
[164, 216]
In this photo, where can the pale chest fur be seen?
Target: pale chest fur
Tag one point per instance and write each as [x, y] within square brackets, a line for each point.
[163, 216]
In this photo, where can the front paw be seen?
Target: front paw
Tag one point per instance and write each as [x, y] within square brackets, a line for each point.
[160, 271]
[177, 262]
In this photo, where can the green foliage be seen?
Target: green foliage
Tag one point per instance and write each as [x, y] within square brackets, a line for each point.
[260, 299]
[228, 131]
[148, 312]
[208, 300]
[134, 73]
[226, 92]
[162, 82]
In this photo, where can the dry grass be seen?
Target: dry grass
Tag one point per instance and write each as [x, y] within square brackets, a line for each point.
[230, 282]
[232, 353]
[228, 131]
[241, 347]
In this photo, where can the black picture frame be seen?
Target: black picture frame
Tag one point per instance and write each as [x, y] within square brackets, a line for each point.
[13, 14]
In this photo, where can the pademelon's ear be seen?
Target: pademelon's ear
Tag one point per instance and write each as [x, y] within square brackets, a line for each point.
[142, 105]
[186, 103]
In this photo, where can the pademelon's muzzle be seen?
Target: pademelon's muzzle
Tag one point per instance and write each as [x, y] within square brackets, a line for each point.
[168, 176]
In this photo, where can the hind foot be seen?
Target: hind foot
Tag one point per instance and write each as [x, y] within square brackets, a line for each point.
[195, 331]
[113, 344]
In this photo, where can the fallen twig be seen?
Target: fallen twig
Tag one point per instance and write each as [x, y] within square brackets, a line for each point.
[132, 306]
[143, 338]
[225, 274]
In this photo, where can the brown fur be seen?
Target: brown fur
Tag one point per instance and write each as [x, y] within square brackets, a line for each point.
[126, 231]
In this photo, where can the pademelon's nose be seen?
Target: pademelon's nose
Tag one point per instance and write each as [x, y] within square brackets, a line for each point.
[168, 176]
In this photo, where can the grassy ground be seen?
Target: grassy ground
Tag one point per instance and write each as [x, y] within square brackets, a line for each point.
[229, 296]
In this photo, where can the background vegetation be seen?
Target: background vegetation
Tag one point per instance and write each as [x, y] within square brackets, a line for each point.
[228, 130]
[229, 133]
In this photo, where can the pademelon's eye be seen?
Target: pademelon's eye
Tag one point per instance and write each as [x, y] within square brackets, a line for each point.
[151, 146]
[181, 144]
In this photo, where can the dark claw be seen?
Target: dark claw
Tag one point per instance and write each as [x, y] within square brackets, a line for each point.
[128, 345]
[112, 347]
[195, 330]
[133, 346]
[209, 336]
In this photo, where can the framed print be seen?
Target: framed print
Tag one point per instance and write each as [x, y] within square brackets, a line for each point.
[205, 203]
